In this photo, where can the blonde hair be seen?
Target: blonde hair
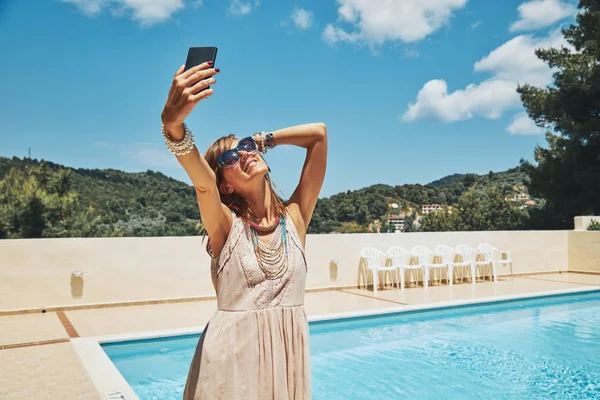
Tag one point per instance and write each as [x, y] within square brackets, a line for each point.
[234, 201]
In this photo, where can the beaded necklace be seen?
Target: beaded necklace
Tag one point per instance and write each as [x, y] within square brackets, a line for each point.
[255, 225]
[273, 261]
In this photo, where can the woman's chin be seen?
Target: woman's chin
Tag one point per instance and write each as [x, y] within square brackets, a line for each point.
[257, 170]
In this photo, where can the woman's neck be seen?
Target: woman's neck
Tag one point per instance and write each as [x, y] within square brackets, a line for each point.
[259, 201]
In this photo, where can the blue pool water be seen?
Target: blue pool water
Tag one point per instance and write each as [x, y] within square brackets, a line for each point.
[546, 348]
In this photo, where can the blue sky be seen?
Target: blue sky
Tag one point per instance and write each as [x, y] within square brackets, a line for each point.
[410, 91]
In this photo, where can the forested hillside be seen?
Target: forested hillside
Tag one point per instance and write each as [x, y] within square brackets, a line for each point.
[103, 202]
[354, 211]
[44, 199]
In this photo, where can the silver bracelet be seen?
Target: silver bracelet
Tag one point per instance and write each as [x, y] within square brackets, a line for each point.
[270, 140]
[181, 147]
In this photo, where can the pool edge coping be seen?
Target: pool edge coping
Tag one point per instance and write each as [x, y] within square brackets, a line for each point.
[158, 334]
[107, 378]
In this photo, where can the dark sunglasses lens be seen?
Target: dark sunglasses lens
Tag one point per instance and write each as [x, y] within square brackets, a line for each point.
[230, 158]
[247, 145]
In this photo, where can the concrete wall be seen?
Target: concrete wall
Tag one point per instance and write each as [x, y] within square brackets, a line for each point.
[532, 251]
[36, 273]
[582, 223]
[584, 251]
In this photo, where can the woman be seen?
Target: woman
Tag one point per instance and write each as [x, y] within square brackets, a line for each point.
[256, 345]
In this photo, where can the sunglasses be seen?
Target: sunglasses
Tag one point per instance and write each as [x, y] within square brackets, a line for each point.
[230, 158]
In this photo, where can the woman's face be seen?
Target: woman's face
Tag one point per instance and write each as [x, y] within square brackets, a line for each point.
[250, 168]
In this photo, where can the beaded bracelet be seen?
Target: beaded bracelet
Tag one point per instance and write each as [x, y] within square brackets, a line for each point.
[181, 147]
[260, 142]
[267, 141]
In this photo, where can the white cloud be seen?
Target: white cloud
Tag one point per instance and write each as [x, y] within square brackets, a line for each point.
[475, 24]
[302, 19]
[510, 64]
[146, 12]
[523, 125]
[238, 7]
[536, 14]
[487, 99]
[516, 61]
[378, 21]
[332, 35]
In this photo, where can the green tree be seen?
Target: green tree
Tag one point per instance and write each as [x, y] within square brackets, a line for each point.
[362, 215]
[477, 211]
[352, 227]
[409, 222]
[443, 198]
[567, 174]
[40, 202]
[346, 210]
[385, 227]
[440, 221]
[378, 207]
[469, 180]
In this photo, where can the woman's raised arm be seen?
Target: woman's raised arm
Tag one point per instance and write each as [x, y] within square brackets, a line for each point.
[187, 90]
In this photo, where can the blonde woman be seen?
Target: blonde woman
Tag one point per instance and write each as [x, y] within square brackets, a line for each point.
[256, 345]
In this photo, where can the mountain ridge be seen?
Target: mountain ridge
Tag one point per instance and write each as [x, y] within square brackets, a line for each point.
[151, 203]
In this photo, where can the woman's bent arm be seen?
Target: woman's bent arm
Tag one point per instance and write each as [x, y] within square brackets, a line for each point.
[312, 137]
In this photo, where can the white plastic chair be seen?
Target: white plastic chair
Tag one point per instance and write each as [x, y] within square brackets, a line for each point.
[489, 252]
[401, 259]
[426, 257]
[374, 257]
[448, 256]
[469, 254]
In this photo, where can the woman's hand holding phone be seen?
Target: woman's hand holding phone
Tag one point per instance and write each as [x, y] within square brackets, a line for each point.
[187, 90]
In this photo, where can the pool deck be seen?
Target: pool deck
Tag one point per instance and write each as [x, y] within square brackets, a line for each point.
[39, 361]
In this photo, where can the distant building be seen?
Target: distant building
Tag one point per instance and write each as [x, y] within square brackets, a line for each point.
[396, 222]
[518, 197]
[428, 208]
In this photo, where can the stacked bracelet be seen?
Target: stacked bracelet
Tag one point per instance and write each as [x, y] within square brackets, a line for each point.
[261, 142]
[181, 147]
[267, 141]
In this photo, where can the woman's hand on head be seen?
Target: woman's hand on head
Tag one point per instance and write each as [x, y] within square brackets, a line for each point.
[187, 90]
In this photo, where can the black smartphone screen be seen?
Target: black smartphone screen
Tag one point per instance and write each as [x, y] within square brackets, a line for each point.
[199, 55]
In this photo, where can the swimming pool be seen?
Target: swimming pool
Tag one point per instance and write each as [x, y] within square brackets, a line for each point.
[543, 348]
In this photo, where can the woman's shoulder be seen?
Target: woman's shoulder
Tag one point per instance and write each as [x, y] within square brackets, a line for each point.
[226, 250]
[293, 211]
[227, 231]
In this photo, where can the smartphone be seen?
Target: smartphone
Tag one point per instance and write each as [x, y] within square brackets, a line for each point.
[199, 55]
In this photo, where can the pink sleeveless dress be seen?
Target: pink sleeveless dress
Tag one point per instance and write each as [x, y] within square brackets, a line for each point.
[256, 345]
